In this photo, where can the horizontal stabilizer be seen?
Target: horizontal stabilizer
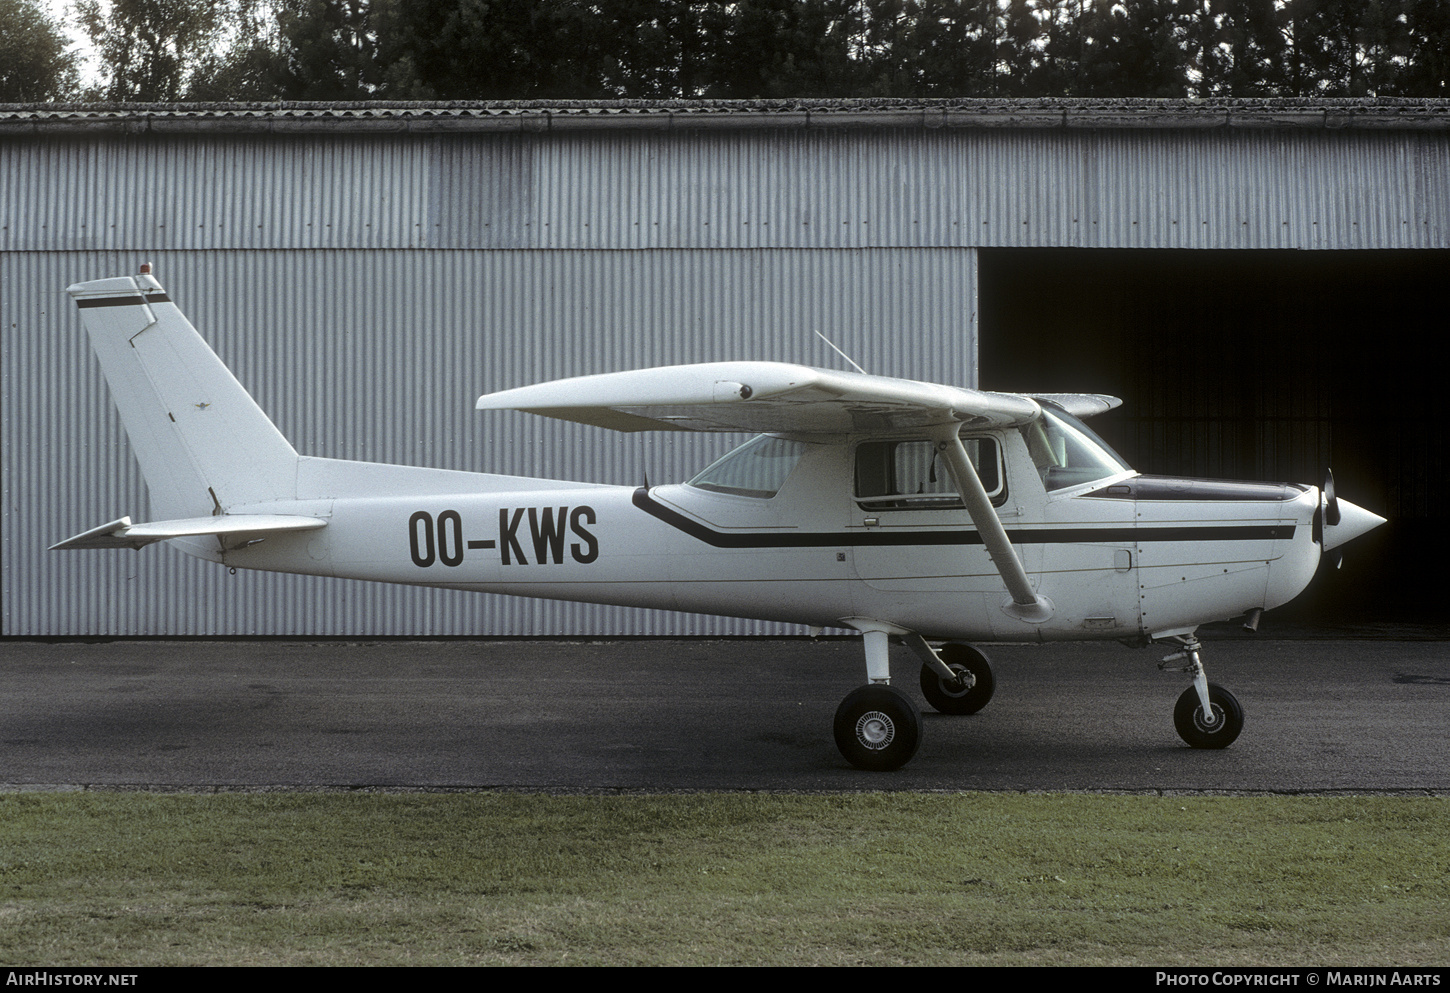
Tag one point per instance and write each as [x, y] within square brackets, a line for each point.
[760, 397]
[240, 527]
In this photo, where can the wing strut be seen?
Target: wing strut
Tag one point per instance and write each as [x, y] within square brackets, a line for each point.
[1026, 605]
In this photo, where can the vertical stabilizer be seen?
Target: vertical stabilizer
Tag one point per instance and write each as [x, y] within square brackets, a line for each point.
[203, 443]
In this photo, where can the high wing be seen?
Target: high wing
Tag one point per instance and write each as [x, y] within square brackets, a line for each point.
[760, 397]
[801, 400]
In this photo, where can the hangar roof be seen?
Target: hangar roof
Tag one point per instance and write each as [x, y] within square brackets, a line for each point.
[1374, 114]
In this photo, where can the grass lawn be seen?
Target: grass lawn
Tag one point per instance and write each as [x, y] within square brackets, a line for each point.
[1000, 879]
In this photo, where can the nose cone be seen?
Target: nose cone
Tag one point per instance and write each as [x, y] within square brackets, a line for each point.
[1353, 522]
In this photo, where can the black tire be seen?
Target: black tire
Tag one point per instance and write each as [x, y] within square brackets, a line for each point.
[1188, 718]
[878, 728]
[948, 698]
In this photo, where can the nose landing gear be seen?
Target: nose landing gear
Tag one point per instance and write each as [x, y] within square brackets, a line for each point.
[1206, 715]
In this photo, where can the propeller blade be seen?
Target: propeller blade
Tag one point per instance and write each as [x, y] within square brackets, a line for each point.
[1331, 502]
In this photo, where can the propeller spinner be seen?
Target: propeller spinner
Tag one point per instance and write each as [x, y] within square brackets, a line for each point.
[1340, 521]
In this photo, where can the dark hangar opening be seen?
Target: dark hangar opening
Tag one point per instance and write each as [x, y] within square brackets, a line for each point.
[1267, 365]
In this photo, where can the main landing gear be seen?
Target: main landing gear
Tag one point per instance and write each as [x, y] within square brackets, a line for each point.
[970, 686]
[878, 727]
[1206, 715]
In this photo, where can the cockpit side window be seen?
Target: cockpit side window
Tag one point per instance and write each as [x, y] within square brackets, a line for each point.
[757, 468]
[911, 475]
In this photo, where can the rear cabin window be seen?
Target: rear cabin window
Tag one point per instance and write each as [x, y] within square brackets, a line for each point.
[912, 475]
[757, 468]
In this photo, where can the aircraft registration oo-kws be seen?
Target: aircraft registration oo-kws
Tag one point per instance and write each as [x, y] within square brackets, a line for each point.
[905, 510]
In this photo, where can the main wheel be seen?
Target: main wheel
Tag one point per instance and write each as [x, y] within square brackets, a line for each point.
[1228, 718]
[950, 697]
[878, 727]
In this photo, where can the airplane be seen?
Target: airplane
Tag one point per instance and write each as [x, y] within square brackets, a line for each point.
[909, 512]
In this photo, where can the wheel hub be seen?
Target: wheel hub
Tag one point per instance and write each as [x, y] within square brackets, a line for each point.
[875, 730]
[961, 685]
[1202, 720]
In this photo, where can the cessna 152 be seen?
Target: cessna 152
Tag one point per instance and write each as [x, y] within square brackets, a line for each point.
[904, 510]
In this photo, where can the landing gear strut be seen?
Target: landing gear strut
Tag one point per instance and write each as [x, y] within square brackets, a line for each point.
[1206, 715]
[877, 726]
[971, 686]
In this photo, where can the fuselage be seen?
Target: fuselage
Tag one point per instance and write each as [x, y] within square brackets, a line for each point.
[1121, 556]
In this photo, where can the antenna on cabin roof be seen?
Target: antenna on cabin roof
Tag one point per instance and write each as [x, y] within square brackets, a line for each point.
[843, 355]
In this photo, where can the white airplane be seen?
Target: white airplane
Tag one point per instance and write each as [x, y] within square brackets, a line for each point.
[904, 510]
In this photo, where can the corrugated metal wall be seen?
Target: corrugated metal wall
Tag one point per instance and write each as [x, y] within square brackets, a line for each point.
[743, 189]
[378, 355]
[367, 288]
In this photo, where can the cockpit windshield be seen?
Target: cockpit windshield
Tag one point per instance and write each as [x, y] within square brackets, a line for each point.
[1067, 452]
[757, 468]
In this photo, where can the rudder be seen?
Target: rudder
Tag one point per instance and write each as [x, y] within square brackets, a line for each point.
[202, 442]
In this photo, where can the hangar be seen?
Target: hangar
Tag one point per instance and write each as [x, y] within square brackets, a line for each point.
[1260, 280]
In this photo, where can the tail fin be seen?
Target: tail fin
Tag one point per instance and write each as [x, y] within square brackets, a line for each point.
[203, 443]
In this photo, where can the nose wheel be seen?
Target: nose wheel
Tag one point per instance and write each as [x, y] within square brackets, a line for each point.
[1206, 715]
[1201, 731]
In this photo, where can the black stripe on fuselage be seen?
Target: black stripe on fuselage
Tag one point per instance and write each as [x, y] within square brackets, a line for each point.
[129, 300]
[1019, 536]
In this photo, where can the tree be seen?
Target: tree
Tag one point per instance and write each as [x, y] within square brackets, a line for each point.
[150, 48]
[1237, 47]
[659, 47]
[1060, 50]
[491, 49]
[253, 66]
[34, 64]
[329, 50]
[1018, 50]
[782, 48]
[1342, 48]
[326, 50]
[317, 50]
[1424, 70]
[925, 48]
[1130, 50]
